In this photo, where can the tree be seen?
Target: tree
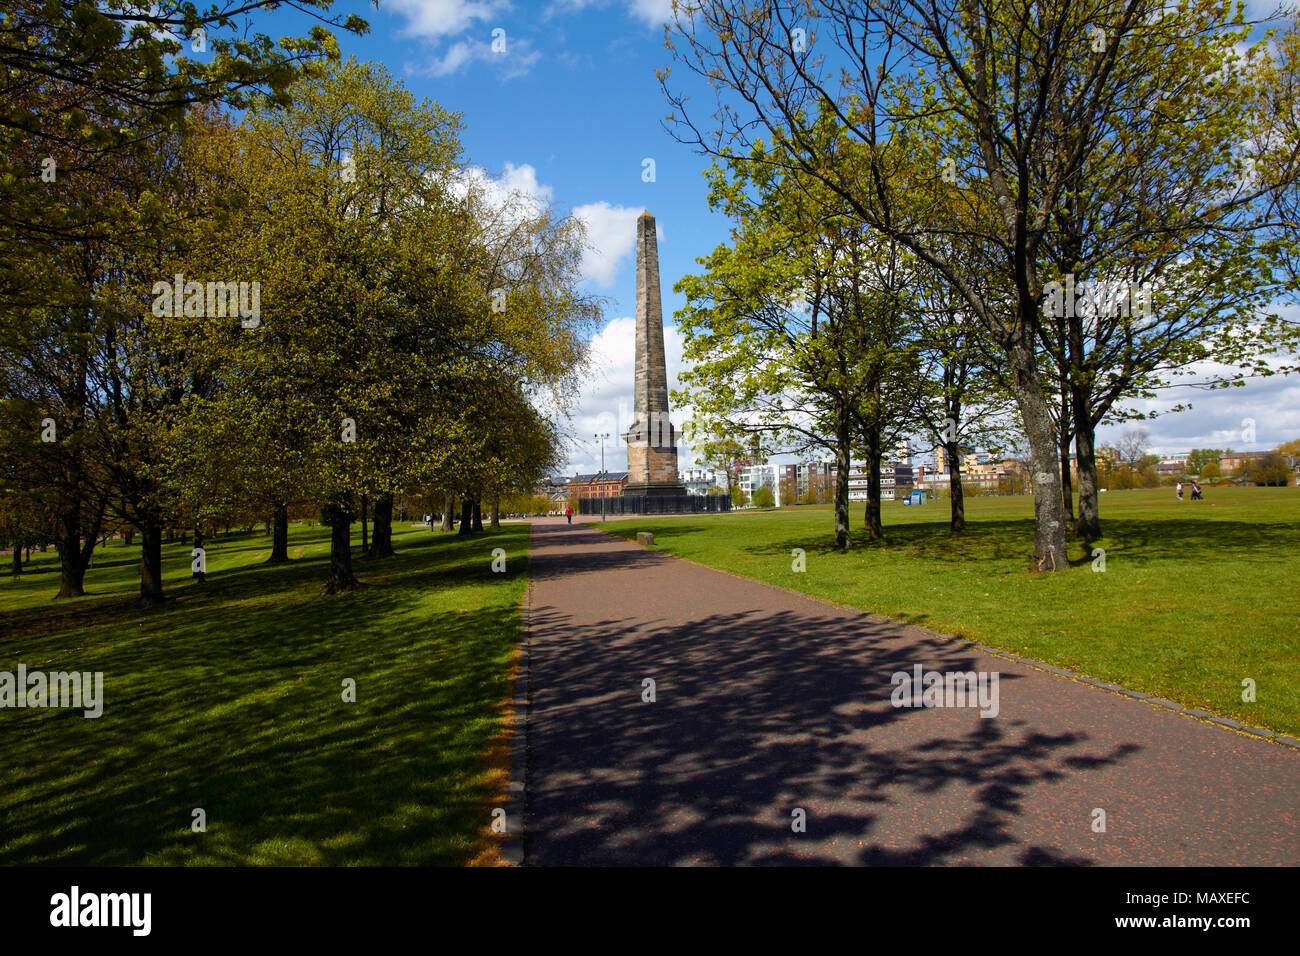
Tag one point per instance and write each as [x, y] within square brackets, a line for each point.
[1200, 459]
[1132, 447]
[1271, 470]
[933, 103]
[95, 100]
[763, 497]
[398, 387]
[799, 333]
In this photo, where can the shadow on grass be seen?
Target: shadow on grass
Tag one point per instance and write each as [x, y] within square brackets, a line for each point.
[229, 699]
[1140, 540]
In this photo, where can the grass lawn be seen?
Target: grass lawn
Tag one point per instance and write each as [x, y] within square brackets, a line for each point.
[1195, 597]
[229, 698]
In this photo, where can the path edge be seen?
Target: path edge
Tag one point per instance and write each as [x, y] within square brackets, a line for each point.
[514, 842]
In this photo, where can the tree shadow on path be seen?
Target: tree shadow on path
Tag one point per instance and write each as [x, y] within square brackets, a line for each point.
[758, 714]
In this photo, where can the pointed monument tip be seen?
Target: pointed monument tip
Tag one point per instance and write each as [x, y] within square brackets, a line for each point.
[646, 215]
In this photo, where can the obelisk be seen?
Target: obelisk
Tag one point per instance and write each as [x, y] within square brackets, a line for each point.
[652, 440]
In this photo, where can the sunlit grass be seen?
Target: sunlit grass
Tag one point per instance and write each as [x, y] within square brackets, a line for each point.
[1195, 597]
[229, 699]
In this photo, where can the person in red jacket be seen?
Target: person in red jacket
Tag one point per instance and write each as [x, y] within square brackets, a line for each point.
[568, 513]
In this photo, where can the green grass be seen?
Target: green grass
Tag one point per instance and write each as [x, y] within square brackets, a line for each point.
[1196, 596]
[229, 698]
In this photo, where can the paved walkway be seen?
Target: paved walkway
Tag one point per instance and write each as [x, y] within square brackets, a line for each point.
[768, 702]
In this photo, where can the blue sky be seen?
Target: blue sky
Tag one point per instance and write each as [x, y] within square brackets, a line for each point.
[570, 112]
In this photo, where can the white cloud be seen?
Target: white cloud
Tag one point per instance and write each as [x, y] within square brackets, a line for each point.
[611, 234]
[654, 13]
[517, 189]
[434, 19]
[516, 61]
[605, 405]
[1220, 418]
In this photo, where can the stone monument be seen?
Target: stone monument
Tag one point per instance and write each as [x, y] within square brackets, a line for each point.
[652, 440]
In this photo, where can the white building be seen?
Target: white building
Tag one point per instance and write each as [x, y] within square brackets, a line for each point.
[860, 477]
[756, 476]
[698, 481]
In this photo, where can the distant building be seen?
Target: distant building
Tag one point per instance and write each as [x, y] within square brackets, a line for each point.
[1229, 464]
[698, 481]
[557, 489]
[753, 477]
[602, 484]
[860, 481]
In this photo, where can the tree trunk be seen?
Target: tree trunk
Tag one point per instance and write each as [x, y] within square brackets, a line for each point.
[843, 455]
[72, 567]
[448, 502]
[1067, 488]
[478, 516]
[365, 532]
[1088, 527]
[18, 558]
[1044, 480]
[381, 543]
[875, 527]
[279, 533]
[466, 517]
[151, 542]
[956, 495]
[338, 514]
[496, 512]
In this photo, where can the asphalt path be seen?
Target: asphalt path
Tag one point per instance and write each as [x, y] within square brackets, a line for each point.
[772, 739]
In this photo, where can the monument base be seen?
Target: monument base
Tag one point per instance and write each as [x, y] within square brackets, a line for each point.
[654, 505]
[649, 489]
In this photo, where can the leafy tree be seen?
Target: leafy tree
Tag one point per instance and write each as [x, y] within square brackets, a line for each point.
[799, 332]
[764, 498]
[904, 107]
[1199, 459]
[1272, 470]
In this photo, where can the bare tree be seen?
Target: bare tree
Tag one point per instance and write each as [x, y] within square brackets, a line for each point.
[1132, 445]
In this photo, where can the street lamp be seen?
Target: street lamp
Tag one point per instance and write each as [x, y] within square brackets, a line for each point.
[602, 436]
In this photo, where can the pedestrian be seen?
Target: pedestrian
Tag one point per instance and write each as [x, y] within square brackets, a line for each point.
[1180, 491]
[1196, 491]
[568, 513]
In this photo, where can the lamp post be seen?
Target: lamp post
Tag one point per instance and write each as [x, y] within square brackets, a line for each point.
[602, 436]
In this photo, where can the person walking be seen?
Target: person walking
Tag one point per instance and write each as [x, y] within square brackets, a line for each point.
[568, 513]
[1180, 491]
[1196, 491]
